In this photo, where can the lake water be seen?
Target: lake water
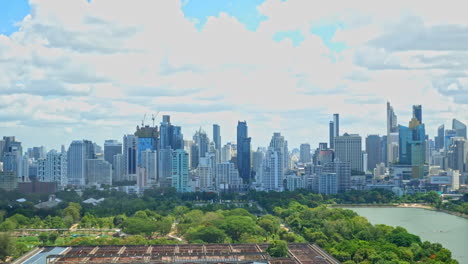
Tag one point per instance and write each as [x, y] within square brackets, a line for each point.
[449, 230]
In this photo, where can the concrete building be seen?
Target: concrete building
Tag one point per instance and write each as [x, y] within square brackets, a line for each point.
[8, 180]
[227, 177]
[227, 152]
[206, 172]
[149, 161]
[305, 153]
[374, 151]
[439, 139]
[328, 183]
[53, 168]
[98, 171]
[180, 171]
[273, 170]
[165, 159]
[78, 152]
[457, 154]
[294, 182]
[118, 173]
[348, 148]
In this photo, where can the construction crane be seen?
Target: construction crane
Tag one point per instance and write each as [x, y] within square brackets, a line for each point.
[143, 121]
[153, 117]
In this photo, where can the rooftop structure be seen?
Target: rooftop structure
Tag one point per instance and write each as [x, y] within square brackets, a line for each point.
[188, 253]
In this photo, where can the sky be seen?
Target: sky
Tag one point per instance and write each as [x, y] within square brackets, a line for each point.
[91, 69]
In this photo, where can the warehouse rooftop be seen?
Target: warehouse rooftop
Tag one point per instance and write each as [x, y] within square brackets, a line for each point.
[298, 253]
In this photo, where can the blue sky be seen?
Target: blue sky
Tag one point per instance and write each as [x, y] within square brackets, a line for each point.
[74, 84]
[12, 12]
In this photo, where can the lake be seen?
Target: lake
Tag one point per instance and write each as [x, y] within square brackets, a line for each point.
[437, 227]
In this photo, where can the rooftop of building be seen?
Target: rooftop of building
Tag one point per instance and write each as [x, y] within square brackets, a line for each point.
[298, 253]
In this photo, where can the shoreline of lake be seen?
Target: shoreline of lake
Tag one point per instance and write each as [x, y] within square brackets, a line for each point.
[447, 229]
[402, 205]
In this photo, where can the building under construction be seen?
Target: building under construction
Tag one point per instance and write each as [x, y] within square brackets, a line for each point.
[298, 253]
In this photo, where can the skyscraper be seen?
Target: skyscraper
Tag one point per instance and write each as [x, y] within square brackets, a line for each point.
[392, 130]
[305, 153]
[412, 147]
[273, 173]
[331, 134]
[439, 139]
[130, 152]
[457, 154]
[217, 136]
[374, 151]
[348, 148]
[336, 125]
[165, 167]
[77, 154]
[417, 113]
[180, 177]
[243, 151]
[171, 136]
[202, 142]
[459, 127]
[111, 148]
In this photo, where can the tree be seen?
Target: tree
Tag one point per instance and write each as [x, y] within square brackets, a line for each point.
[278, 249]
[8, 225]
[235, 226]
[73, 211]
[7, 246]
[43, 237]
[209, 234]
[136, 225]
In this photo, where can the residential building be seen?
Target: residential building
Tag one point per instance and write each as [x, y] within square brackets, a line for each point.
[78, 152]
[149, 161]
[180, 171]
[53, 168]
[98, 171]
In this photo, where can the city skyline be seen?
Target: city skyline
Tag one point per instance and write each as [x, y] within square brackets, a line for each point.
[92, 69]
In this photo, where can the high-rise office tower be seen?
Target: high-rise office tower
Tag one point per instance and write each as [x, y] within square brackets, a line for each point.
[149, 161]
[165, 167]
[412, 147]
[417, 113]
[78, 152]
[280, 144]
[383, 149]
[37, 152]
[202, 142]
[459, 127]
[331, 134]
[217, 136]
[171, 136]
[457, 154]
[348, 148]
[180, 171]
[392, 134]
[304, 155]
[53, 168]
[336, 125]
[130, 153]
[98, 171]
[111, 148]
[374, 151]
[243, 151]
[439, 139]
[449, 134]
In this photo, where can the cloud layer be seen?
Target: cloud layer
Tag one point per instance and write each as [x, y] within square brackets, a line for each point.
[92, 69]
